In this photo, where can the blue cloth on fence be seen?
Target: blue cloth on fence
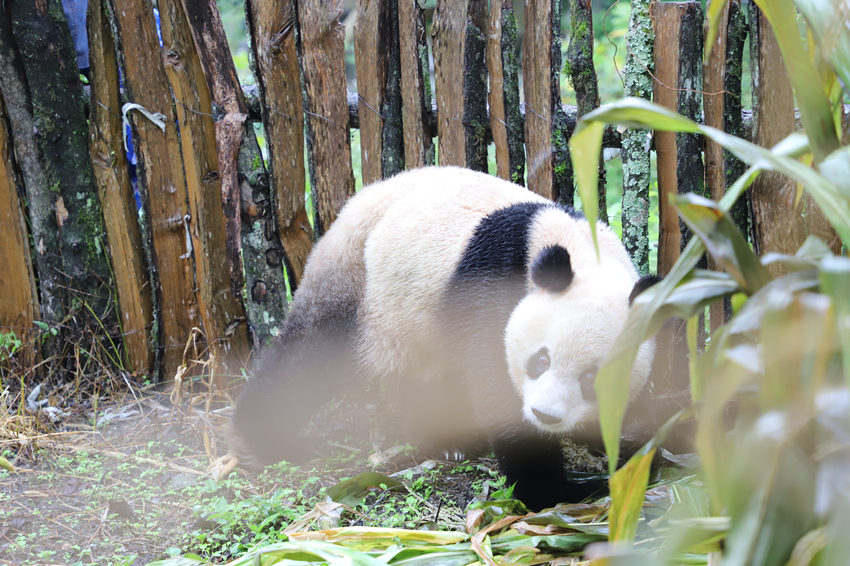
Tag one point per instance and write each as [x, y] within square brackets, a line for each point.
[75, 13]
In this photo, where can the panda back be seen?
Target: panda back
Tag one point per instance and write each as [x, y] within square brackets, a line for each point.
[411, 256]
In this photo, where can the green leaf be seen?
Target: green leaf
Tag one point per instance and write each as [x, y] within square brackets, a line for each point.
[835, 282]
[723, 241]
[628, 486]
[827, 20]
[353, 491]
[586, 167]
[714, 12]
[812, 101]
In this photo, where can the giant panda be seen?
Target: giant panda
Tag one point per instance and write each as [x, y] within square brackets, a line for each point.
[478, 308]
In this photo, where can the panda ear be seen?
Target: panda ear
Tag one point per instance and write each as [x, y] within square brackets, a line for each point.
[551, 269]
[642, 285]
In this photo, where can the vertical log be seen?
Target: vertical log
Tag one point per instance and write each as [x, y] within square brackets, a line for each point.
[778, 226]
[635, 144]
[505, 115]
[112, 177]
[580, 70]
[18, 298]
[77, 278]
[273, 40]
[376, 54]
[40, 200]
[722, 102]
[249, 216]
[328, 143]
[221, 311]
[415, 84]
[667, 25]
[546, 136]
[736, 35]
[678, 64]
[161, 180]
[460, 80]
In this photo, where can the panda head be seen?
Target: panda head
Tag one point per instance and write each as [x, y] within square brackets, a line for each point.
[561, 332]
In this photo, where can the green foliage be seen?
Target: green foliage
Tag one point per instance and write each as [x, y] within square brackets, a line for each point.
[766, 484]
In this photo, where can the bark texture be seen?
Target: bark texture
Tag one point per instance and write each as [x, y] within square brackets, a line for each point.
[635, 150]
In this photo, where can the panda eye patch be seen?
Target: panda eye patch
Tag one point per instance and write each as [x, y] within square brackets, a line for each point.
[538, 363]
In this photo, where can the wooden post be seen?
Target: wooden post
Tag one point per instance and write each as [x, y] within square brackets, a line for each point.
[224, 319]
[635, 148]
[376, 54]
[506, 122]
[161, 180]
[779, 225]
[44, 102]
[250, 220]
[460, 80]
[106, 138]
[722, 102]
[583, 78]
[328, 143]
[546, 136]
[273, 34]
[18, 298]
[415, 84]
[678, 64]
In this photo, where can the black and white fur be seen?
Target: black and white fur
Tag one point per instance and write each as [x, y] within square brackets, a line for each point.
[478, 307]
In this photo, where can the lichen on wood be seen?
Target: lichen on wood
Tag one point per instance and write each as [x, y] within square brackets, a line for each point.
[250, 223]
[415, 84]
[273, 33]
[582, 74]
[635, 145]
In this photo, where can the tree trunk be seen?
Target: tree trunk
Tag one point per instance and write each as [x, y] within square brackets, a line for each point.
[44, 99]
[376, 53]
[415, 84]
[583, 78]
[635, 150]
[221, 311]
[18, 297]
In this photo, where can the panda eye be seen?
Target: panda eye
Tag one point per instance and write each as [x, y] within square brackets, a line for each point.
[537, 363]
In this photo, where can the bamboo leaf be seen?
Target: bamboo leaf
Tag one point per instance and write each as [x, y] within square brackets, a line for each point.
[713, 14]
[815, 109]
[831, 193]
[628, 486]
[586, 167]
[723, 241]
[353, 490]
[827, 20]
[835, 282]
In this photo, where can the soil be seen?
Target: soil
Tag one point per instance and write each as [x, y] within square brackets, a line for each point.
[141, 485]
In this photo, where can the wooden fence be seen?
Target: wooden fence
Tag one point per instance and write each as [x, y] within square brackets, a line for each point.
[225, 234]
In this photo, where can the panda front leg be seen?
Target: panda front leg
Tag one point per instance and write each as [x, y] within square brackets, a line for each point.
[535, 464]
[275, 409]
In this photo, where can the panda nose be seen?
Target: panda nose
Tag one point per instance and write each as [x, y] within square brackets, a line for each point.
[545, 418]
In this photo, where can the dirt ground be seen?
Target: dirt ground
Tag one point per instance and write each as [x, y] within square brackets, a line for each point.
[139, 485]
